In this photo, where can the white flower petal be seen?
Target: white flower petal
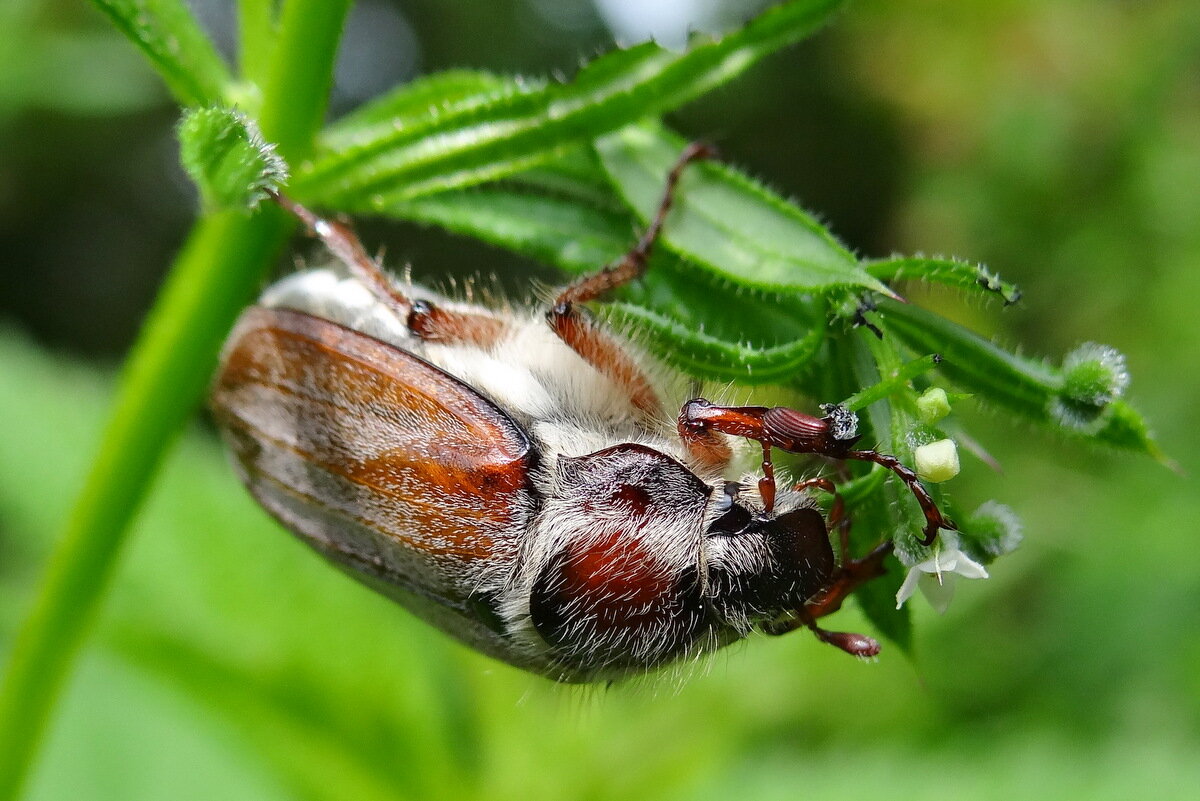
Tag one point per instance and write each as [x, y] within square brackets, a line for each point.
[909, 586]
[936, 575]
[969, 568]
[937, 592]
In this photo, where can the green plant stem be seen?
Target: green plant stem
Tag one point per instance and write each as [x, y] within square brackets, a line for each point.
[256, 38]
[298, 82]
[166, 373]
[164, 379]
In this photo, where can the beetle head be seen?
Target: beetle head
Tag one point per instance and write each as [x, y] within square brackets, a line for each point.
[761, 565]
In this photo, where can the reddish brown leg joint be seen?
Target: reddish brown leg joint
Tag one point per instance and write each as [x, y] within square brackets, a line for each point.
[633, 265]
[797, 432]
[590, 343]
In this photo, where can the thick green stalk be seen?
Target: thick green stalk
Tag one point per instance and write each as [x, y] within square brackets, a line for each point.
[256, 39]
[163, 382]
[298, 82]
[165, 376]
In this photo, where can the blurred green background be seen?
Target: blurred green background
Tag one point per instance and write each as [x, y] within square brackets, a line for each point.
[1056, 140]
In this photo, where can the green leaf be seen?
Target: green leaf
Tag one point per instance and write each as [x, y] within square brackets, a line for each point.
[381, 163]
[420, 100]
[705, 356]
[897, 381]
[256, 38]
[877, 599]
[1024, 386]
[572, 236]
[726, 223]
[1027, 387]
[171, 39]
[225, 154]
[952, 272]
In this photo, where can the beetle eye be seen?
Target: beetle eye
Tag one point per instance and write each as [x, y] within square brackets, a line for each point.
[732, 522]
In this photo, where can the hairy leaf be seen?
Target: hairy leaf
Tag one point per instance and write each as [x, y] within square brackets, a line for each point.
[725, 222]
[703, 328]
[1027, 387]
[378, 164]
[225, 154]
[174, 43]
[952, 272]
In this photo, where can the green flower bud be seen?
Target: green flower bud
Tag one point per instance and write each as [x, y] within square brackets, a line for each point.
[225, 154]
[1093, 376]
[993, 530]
[933, 405]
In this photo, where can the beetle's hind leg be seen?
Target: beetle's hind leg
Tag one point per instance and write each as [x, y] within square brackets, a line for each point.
[341, 240]
[424, 319]
[589, 340]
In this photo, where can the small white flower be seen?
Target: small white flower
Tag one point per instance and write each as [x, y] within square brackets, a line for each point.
[936, 575]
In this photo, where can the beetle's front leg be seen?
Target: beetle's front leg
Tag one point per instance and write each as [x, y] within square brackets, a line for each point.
[796, 432]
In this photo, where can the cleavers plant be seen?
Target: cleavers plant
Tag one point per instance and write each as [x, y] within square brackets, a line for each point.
[745, 287]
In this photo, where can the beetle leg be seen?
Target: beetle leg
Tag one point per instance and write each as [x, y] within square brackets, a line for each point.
[341, 240]
[633, 265]
[587, 339]
[424, 319]
[796, 432]
[859, 645]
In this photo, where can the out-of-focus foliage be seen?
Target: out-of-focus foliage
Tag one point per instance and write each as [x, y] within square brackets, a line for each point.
[1057, 141]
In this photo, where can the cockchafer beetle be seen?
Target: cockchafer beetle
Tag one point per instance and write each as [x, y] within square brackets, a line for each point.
[513, 478]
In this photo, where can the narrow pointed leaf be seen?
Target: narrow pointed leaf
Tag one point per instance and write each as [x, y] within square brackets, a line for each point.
[572, 236]
[382, 163]
[952, 272]
[723, 221]
[256, 38]
[704, 356]
[750, 338]
[171, 39]
[897, 381]
[1028, 387]
[420, 101]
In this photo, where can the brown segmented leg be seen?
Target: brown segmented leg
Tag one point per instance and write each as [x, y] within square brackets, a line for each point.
[594, 345]
[797, 432]
[424, 319]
